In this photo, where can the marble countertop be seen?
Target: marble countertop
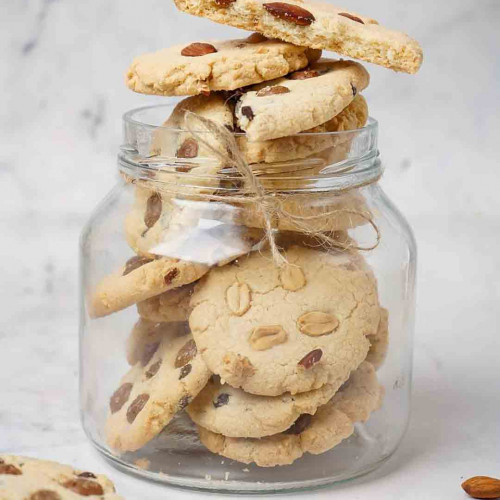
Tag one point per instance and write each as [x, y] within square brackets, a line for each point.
[61, 98]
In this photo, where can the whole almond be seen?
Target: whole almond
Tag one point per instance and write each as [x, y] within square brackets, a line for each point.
[289, 12]
[153, 210]
[198, 49]
[265, 337]
[310, 359]
[304, 74]
[277, 89]
[292, 278]
[188, 149]
[482, 487]
[317, 323]
[238, 298]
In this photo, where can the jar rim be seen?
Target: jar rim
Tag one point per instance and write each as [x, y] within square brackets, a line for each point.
[350, 160]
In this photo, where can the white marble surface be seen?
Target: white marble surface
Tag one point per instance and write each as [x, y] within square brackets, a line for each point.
[61, 98]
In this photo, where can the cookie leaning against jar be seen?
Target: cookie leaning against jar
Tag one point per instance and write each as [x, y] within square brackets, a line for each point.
[271, 330]
[26, 478]
[201, 67]
[316, 434]
[318, 25]
[161, 384]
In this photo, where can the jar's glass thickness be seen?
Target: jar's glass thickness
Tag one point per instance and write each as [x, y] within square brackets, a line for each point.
[246, 331]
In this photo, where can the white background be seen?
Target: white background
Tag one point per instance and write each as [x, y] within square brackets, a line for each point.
[61, 98]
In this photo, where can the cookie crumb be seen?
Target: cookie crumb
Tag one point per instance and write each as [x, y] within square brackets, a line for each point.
[143, 463]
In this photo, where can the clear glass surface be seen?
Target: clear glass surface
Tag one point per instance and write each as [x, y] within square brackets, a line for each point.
[210, 216]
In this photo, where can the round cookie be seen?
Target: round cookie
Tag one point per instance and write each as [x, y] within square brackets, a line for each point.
[146, 335]
[380, 341]
[29, 478]
[315, 434]
[167, 307]
[270, 330]
[139, 279]
[301, 101]
[201, 67]
[232, 412]
[161, 384]
[316, 24]
[300, 146]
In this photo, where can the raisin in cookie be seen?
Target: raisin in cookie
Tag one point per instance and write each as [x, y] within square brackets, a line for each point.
[301, 101]
[161, 384]
[200, 67]
[296, 147]
[380, 341]
[315, 434]
[25, 478]
[146, 335]
[232, 412]
[318, 25]
[139, 279]
[272, 330]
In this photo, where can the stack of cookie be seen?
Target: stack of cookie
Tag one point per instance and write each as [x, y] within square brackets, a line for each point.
[270, 361]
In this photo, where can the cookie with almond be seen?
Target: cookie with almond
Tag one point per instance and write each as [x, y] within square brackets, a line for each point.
[318, 25]
[269, 330]
[30, 478]
[313, 96]
[161, 384]
[207, 66]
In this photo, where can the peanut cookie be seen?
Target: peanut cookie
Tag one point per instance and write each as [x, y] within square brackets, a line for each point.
[139, 279]
[380, 341]
[315, 434]
[232, 412]
[161, 384]
[318, 25]
[296, 147]
[167, 307]
[272, 330]
[301, 101]
[146, 335]
[200, 67]
[25, 478]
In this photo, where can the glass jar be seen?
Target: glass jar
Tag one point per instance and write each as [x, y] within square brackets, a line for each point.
[272, 302]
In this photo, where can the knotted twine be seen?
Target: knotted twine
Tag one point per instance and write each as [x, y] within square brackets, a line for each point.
[268, 204]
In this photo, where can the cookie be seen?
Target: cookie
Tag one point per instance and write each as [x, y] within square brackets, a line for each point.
[232, 412]
[315, 434]
[380, 341]
[311, 212]
[301, 101]
[139, 279]
[296, 147]
[25, 478]
[161, 384]
[201, 67]
[146, 335]
[270, 330]
[317, 25]
[167, 307]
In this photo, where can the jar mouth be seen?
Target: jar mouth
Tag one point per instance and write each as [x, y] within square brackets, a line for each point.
[308, 161]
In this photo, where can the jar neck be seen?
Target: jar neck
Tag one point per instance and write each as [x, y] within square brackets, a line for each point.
[174, 159]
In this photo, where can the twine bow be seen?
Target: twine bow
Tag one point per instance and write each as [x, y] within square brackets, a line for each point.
[270, 206]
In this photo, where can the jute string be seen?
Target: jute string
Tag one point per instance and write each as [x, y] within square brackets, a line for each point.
[223, 145]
